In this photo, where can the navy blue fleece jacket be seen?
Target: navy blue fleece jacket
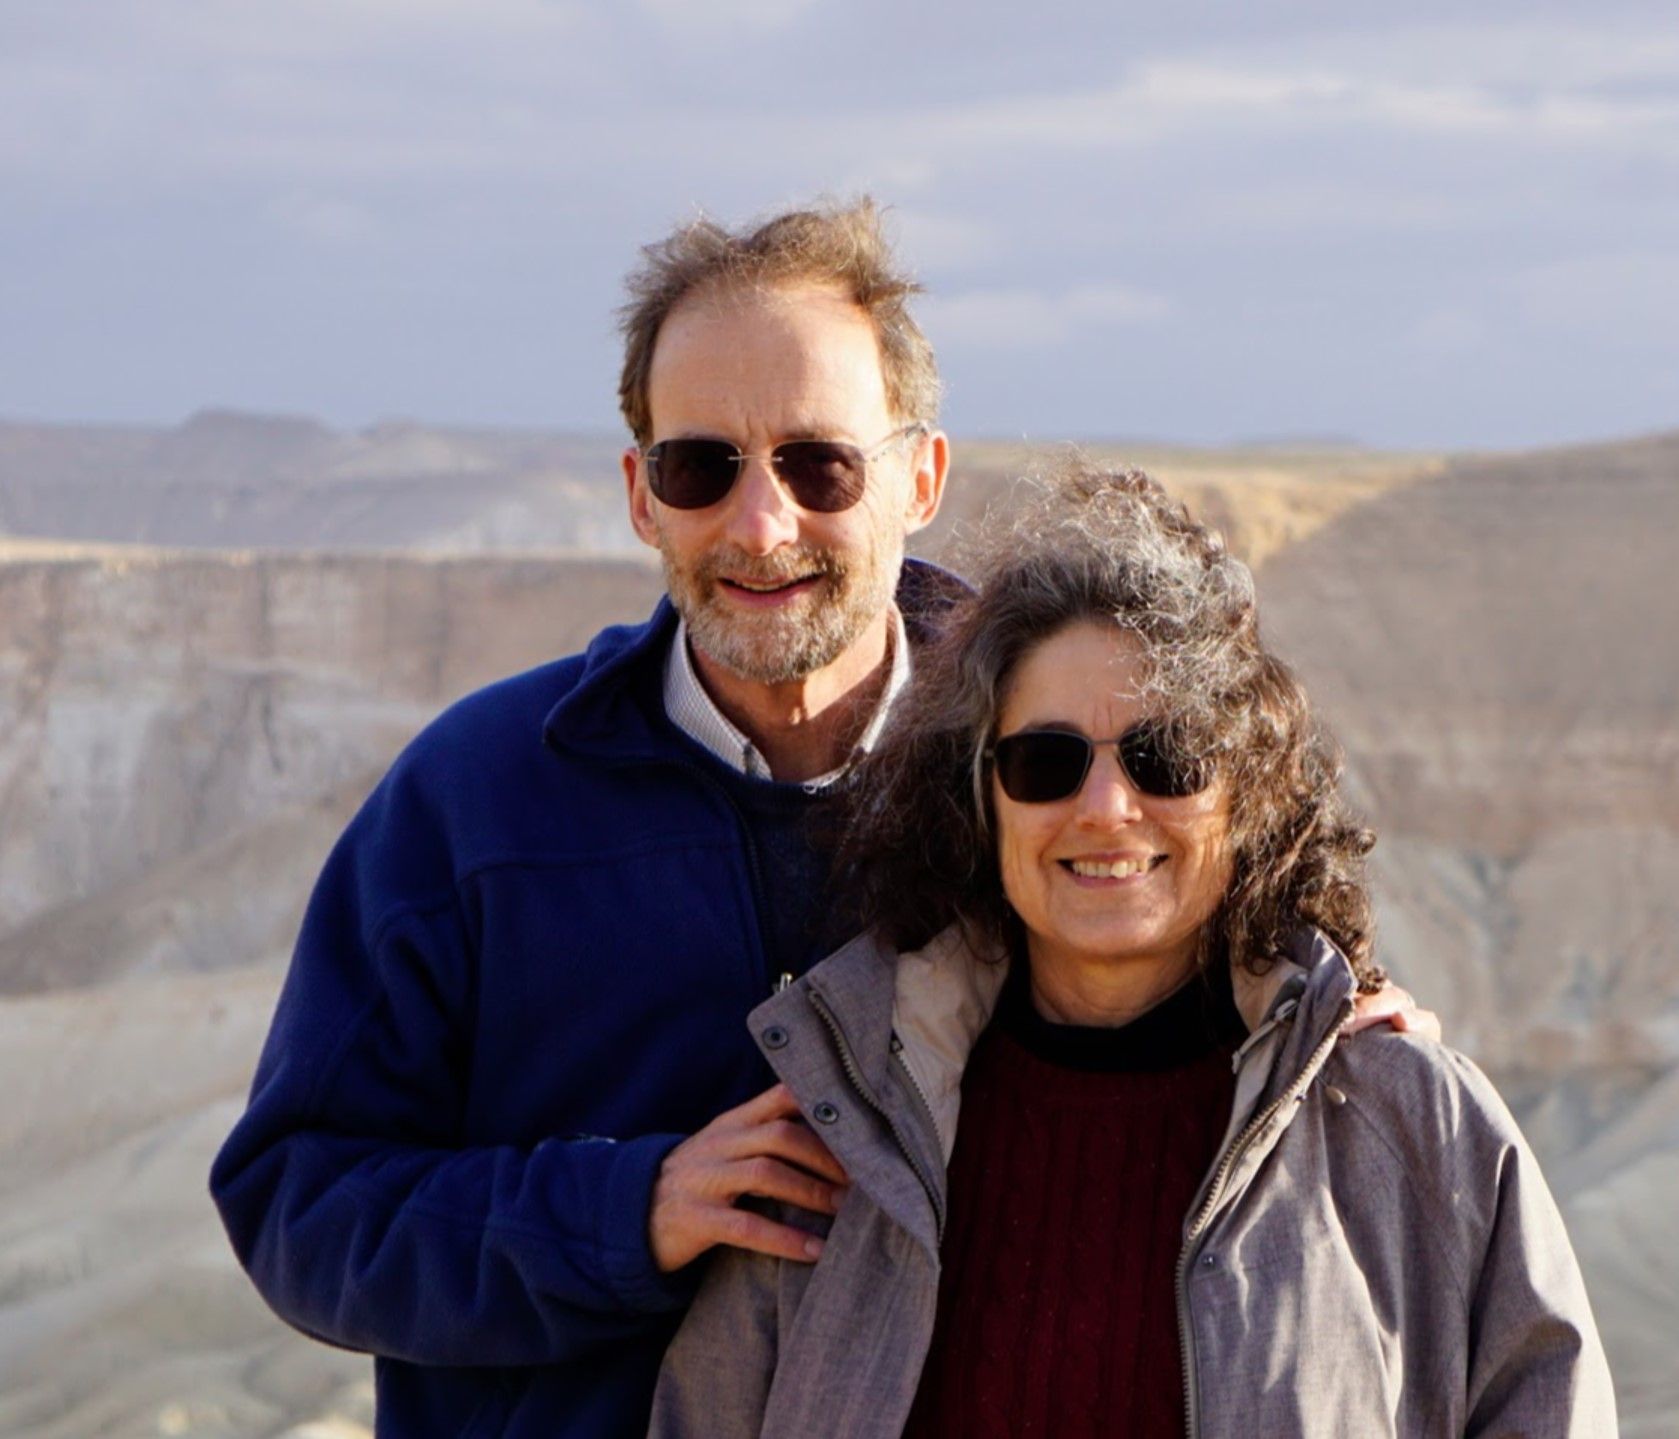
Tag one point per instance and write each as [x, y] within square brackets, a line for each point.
[521, 979]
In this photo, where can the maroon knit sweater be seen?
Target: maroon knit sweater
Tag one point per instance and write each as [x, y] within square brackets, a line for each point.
[1078, 1155]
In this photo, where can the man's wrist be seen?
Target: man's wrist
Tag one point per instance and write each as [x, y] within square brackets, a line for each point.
[624, 1245]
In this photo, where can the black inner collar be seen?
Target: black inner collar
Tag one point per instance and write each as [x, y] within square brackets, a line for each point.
[1199, 1017]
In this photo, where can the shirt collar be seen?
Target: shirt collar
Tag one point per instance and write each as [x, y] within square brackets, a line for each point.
[695, 713]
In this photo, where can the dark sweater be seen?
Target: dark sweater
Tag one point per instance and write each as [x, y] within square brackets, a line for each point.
[1077, 1157]
[786, 826]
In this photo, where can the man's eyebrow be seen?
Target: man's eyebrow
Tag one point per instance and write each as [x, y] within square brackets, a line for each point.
[798, 432]
[813, 430]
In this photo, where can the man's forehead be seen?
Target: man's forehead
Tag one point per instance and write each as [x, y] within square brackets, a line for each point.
[804, 359]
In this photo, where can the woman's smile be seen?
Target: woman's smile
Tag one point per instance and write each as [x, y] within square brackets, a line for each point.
[1113, 868]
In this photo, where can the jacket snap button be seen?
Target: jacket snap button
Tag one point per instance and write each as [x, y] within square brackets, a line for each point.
[1209, 1261]
[775, 1037]
[825, 1113]
[1335, 1096]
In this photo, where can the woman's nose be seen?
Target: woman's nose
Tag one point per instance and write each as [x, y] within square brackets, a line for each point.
[1108, 796]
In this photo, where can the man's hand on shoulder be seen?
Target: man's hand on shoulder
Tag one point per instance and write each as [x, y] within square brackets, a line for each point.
[762, 1148]
[1396, 1008]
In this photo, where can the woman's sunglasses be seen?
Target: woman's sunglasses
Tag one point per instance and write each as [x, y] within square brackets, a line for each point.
[1038, 766]
[825, 476]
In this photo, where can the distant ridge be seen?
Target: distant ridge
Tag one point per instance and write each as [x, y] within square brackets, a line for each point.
[225, 479]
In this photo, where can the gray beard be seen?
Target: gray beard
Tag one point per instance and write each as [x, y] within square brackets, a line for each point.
[777, 649]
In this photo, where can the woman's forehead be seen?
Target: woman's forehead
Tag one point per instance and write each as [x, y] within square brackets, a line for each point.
[1090, 672]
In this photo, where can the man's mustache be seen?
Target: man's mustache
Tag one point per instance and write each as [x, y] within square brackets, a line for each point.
[798, 562]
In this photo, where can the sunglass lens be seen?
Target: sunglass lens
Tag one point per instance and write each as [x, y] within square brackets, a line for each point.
[1041, 766]
[823, 475]
[1160, 763]
[691, 474]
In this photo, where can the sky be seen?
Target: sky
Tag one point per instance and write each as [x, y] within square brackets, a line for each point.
[1421, 226]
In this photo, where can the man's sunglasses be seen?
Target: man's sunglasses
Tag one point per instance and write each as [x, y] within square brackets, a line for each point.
[825, 476]
[1038, 766]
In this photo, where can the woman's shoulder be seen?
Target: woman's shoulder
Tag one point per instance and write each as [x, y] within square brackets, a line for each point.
[1422, 1085]
[1421, 1097]
[1428, 1114]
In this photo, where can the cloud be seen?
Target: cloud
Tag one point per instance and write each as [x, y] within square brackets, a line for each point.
[428, 88]
[362, 85]
[1013, 319]
[1160, 99]
[1530, 86]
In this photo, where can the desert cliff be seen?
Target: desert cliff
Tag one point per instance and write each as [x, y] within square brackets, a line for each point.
[212, 641]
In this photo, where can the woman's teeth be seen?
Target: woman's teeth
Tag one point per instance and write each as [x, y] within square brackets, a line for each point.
[1110, 868]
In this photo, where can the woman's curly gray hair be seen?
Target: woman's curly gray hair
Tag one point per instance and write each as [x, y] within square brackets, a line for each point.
[919, 853]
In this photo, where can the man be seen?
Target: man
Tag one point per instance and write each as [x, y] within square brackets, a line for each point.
[521, 981]
[484, 1141]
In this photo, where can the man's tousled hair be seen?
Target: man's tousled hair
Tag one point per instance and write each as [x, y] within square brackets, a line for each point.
[842, 245]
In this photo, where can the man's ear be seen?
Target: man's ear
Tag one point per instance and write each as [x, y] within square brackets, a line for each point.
[639, 496]
[931, 466]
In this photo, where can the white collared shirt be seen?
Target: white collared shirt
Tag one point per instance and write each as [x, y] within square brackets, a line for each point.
[694, 711]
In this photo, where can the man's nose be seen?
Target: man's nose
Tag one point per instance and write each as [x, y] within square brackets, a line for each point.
[761, 517]
[1108, 796]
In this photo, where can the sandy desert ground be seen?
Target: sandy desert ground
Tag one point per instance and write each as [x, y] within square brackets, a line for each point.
[212, 639]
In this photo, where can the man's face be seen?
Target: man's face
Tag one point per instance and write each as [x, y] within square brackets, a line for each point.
[771, 591]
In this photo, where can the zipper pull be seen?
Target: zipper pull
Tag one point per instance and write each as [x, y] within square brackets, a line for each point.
[783, 980]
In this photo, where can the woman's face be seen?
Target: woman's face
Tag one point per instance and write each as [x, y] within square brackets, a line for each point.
[1109, 876]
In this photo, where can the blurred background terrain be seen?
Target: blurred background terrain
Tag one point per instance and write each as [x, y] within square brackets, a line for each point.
[213, 638]
[1446, 231]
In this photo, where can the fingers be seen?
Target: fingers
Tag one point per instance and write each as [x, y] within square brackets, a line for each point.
[1396, 1008]
[742, 1229]
[770, 1123]
[1378, 1008]
[1424, 1023]
[791, 1140]
[697, 1209]
[765, 1178]
[683, 1224]
[761, 1149]
[776, 1102]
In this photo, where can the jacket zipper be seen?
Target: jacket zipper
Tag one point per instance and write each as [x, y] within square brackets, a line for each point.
[1203, 1216]
[852, 1073]
[916, 1089]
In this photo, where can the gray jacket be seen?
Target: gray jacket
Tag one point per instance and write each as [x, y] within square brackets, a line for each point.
[1374, 1252]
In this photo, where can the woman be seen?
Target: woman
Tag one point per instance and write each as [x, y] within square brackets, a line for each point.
[1119, 916]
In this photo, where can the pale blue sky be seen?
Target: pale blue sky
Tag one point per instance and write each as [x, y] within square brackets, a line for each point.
[1436, 224]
